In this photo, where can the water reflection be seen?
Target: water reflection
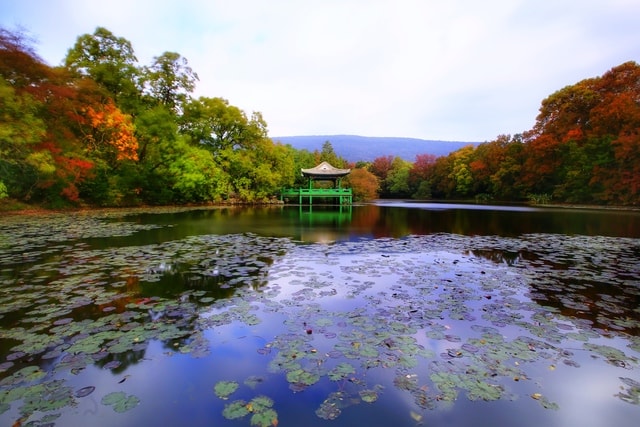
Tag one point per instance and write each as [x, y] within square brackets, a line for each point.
[578, 284]
[234, 287]
[383, 219]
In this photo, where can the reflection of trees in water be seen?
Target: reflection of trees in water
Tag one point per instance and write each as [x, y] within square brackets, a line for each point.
[386, 221]
[498, 256]
[596, 287]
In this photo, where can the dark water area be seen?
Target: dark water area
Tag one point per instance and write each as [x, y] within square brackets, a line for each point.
[386, 219]
[393, 313]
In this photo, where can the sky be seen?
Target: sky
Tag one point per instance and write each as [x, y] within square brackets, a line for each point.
[457, 70]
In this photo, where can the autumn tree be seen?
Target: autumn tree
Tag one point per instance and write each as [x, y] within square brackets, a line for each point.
[420, 176]
[20, 130]
[111, 133]
[42, 150]
[585, 144]
[380, 167]
[363, 183]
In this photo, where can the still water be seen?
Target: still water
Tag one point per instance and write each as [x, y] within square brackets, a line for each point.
[394, 313]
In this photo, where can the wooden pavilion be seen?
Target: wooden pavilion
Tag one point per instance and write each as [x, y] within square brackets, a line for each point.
[323, 172]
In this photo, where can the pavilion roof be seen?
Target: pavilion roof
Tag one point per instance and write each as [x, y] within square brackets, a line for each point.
[325, 170]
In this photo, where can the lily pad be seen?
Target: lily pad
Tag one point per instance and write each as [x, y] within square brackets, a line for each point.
[266, 418]
[341, 371]
[368, 396]
[224, 389]
[120, 401]
[302, 377]
[235, 410]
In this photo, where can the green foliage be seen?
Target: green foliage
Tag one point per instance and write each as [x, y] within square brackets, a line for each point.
[194, 174]
[539, 199]
[58, 147]
[170, 80]
[224, 389]
[423, 192]
[110, 61]
[397, 181]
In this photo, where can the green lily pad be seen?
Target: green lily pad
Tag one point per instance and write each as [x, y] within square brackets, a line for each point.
[341, 371]
[235, 410]
[224, 389]
[368, 396]
[302, 377]
[266, 418]
[120, 401]
[24, 375]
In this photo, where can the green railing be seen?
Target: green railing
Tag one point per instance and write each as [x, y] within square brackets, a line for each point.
[343, 195]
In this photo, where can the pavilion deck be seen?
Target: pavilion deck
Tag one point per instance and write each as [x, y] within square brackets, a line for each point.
[340, 195]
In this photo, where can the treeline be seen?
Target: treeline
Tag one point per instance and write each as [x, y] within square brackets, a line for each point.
[103, 130]
[583, 148]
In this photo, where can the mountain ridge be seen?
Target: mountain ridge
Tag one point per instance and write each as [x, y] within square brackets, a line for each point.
[355, 148]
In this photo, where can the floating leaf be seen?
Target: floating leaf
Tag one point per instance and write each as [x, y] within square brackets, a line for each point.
[235, 410]
[631, 393]
[330, 409]
[265, 418]
[302, 377]
[368, 396]
[224, 389]
[261, 403]
[341, 371]
[120, 401]
[26, 374]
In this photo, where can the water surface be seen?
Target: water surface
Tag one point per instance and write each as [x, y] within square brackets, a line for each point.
[395, 313]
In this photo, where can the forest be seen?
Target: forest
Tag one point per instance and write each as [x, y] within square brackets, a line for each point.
[102, 130]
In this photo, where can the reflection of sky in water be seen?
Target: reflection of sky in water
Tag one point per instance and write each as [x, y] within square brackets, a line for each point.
[463, 206]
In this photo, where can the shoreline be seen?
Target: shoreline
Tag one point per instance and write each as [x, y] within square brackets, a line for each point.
[19, 208]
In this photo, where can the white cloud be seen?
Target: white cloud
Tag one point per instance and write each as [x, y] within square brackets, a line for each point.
[458, 70]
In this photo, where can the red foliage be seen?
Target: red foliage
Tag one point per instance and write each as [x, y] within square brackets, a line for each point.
[381, 166]
[422, 168]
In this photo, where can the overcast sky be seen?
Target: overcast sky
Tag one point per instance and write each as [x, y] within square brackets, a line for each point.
[464, 70]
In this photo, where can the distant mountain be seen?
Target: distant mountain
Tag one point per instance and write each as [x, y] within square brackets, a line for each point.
[366, 148]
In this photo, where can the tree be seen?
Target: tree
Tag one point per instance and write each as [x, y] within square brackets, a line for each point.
[20, 130]
[380, 167]
[363, 183]
[217, 125]
[327, 154]
[111, 133]
[170, 80]
[505, 181]
[397, 181]
[461, 171]
[110, 61]
[420, 176]
[585, 145]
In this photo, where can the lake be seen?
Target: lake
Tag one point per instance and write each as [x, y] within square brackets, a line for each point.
[391, 313]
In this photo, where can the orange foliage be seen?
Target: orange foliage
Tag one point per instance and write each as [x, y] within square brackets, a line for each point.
[114, 129]
[364, 184]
